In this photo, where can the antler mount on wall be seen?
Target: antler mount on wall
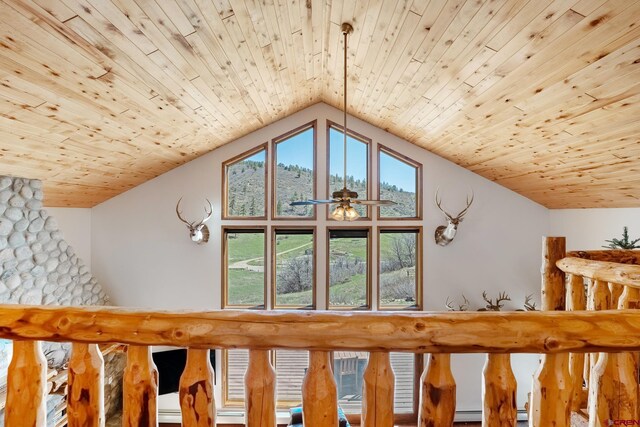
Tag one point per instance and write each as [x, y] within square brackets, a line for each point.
[445, 233]
[198, 230]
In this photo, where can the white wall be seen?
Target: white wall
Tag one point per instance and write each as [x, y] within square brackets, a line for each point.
[142, 254]
[589, 228]
[75, 224]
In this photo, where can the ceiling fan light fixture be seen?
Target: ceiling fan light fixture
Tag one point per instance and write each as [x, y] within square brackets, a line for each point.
[345, 212]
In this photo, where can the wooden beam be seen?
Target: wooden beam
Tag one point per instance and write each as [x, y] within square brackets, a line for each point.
[435, 332]
[437, 393]
[628, 275]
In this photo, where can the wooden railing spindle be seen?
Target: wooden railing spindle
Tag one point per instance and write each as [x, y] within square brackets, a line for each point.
[600, 378]
[378, 391]
[85, 394]
[319, 394]
[437, 393]
[613, 394]
[260, 390]
[499, 407]
[26, 383]
[197, 402]
[552, 387]
[576, 300]
[140, 389]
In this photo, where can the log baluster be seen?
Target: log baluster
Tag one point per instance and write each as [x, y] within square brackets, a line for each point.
[260, 390]
[600, 378]
[499, 407]
[599, 299]
[616, 291]
[197, 403]
[576, 300]
[437, 393]
[140, 389]
[552, 387]
[26, 386]
[85, 394]
[613, 394]
[378, 391]
[319, 394]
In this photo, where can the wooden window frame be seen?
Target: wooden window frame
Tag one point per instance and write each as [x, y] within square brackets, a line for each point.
[368, 298]
[225, 182]
[401, 157]
[225, 267]
[274, 165]
[226, 402]
[283, 229]
[369, 144]
[418, 306]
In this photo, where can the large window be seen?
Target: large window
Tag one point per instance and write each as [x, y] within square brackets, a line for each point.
[399, 181]
[244, 272]
[294, 172]
[348, 268]
[279, 257]
[294, 268]
[357, 164]
[244, 184]
[399, 273]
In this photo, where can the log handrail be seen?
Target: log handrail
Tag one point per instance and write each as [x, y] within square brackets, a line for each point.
[430, 332]
[621, 274]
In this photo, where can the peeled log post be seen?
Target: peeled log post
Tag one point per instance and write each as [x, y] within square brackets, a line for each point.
[437, 393]
[378, 392]
[552, 386]
[26, 383]
[600, 378]
[319, 394]
[197, 403]
[499, 407]
[85, 394]
[260, 390]
[140, 389]
[576, 300]
[599, 299]
[614, 391]
[616, 291]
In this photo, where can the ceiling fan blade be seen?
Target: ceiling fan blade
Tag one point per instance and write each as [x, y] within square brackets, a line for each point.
[373, 202]
[312, 202]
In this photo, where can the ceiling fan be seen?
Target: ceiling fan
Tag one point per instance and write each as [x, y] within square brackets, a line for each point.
[344, 198]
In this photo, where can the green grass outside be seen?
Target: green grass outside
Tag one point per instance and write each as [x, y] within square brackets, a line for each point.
[247, 287]
[243, 246]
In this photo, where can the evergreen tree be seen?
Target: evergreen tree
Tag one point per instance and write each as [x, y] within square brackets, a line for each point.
[279, 208]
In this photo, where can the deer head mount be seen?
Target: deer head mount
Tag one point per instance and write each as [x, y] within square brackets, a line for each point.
[198, 231]
[445, 233]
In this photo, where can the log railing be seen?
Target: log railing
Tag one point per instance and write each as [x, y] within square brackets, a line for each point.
[604, 385]
[562, 337]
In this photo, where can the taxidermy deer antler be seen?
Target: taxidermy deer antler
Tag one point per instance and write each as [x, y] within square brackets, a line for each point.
[528, 304]
[462, 307]
[491, 306]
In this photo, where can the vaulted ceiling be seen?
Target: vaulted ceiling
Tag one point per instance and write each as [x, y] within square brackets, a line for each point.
[541, 96]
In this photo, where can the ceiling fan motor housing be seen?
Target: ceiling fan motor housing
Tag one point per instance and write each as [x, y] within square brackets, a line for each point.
[345, 193]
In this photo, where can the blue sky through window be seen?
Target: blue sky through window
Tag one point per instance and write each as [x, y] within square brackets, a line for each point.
[258, 157]
[398, 173]
[297, 150]
[356, 156]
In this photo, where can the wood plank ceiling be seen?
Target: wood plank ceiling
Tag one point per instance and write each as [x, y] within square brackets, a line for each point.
[541, 96]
